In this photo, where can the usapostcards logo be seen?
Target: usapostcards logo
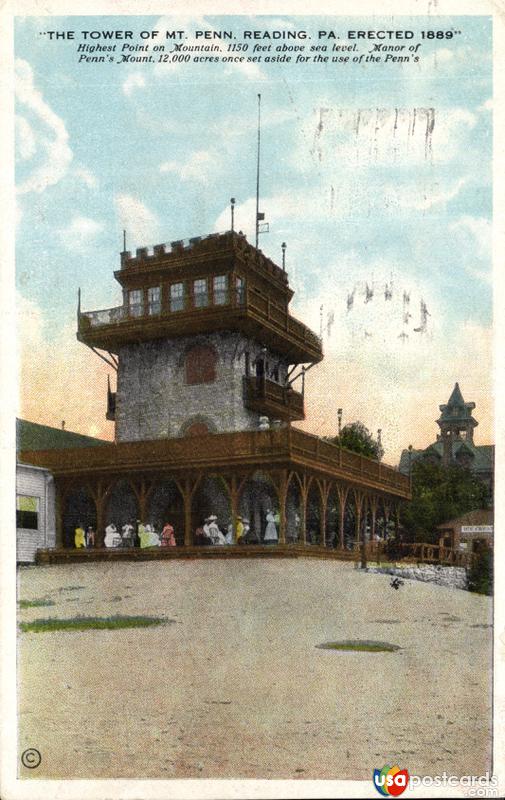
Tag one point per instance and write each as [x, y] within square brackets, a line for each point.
[390, 781]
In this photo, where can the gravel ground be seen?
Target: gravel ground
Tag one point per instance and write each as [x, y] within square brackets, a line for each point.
[235, 687]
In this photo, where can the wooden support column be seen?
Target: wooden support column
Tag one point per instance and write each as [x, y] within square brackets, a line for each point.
[397, 519]
[59, 501]
[342, 493]
[142, 490]
[99, 493]
[233, 505]
[324, 488]
[357, 527]
[304, 491]
[187, 489]
[359, 498]
[187, 497]
[374, 502]
[283, 493]
[386, 509]
[234, 487]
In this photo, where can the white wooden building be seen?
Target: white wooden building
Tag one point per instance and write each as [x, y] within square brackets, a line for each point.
[35, 511]
[35, 495]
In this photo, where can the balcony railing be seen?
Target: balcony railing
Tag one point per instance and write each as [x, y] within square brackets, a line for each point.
[106, 316]
[271, 398]
[226, 450]
[268, 311]
[265, 310]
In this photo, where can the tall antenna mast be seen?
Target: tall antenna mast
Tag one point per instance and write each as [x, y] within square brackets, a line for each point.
[258, 174]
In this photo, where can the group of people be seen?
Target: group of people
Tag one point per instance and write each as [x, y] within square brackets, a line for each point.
[82, 538]
[145, 535]
[210, 534]
[130, 535]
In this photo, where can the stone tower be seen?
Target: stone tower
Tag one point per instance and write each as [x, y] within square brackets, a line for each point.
[203, 341]
[456, 423]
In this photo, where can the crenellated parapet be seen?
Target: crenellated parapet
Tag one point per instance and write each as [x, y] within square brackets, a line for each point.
[202, 248]
[211, 283]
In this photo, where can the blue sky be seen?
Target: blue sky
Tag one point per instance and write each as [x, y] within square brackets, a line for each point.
[353, 179]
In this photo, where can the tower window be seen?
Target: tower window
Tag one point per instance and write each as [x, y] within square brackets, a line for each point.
[201, 293]
[27, 512]
[200, 365]
[177, 297]
[154, 299]
[197, 429]
[240, 290]
[220, 287]
[136, 302]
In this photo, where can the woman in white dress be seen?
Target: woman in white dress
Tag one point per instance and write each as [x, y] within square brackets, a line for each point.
[112, 538]
[214, 532]
[271, 529]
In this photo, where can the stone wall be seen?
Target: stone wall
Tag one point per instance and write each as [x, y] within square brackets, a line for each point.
[429, 573]
[154, 402]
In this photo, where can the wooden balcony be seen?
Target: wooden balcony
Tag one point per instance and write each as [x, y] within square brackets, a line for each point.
[224, 452]
[273, 400]
[249, 312]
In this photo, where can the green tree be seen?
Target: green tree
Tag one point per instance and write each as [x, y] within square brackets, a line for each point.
[480, 574]
[356, 437]
[438, 495]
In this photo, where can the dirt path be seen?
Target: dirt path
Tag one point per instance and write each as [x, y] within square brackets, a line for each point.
[235, 686]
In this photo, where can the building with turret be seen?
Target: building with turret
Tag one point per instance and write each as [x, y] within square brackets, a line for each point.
[208, 374]
[455, 444]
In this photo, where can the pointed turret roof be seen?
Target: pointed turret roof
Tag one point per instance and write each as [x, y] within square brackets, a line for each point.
[456, 398]
[456, 410]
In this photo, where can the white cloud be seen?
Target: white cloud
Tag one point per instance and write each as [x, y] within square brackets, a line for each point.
[443, 55]
[365, 137]
[50, 134]
[25, 139]
[251, 71]
[134, 81]
[479, 229]
[141, 225]
[80, 234]
[422, 198]
[450, 135]
[200, 166]
[88, 178]
[245, 214]
[472, 237]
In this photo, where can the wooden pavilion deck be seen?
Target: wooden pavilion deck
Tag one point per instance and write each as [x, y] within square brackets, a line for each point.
[65, 555]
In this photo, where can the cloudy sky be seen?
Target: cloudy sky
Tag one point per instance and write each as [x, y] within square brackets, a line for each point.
[374, 174]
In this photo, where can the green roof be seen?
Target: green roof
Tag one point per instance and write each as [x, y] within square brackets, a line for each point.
[32, 436]
[482, 455]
